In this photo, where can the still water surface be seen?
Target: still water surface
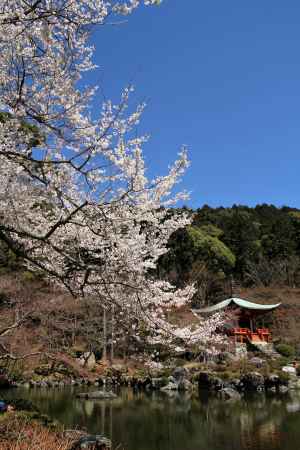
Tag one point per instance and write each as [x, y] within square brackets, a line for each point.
[157, 421]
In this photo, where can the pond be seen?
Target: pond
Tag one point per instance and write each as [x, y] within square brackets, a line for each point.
[157, 421]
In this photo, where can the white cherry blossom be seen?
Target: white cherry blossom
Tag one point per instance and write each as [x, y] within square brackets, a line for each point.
[76, 202]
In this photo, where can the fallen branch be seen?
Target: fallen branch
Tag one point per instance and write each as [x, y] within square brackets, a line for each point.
[17, 358]
[15, 325]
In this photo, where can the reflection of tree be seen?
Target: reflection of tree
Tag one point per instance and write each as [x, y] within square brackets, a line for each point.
[155, 421]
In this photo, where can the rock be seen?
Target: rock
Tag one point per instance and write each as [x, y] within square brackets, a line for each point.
[158, 383]
[44, 370]
[229, 394]
[293, 406]
[283, 389]
[127, 380]
[119, 368]
[289, 369]
[258, 362]
[226, 357]
[170, 387]
[171, 379]
[294, 383]
[212, 365]
[272, 380]
[97, 395]
[179, 373]
[4, 382]
[143, 382]
[207, 380]
[92, 442]
[272, 389]
[235, 384]
[241, 351]
[185, 385]
[253, 381]
[88, 360]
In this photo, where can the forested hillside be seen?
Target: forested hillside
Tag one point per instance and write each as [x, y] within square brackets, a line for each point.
[228, 248]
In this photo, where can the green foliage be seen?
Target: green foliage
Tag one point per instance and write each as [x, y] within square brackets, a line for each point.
[228, 375]
[286, 350]
[284, 377]
[257, 246]
[211, 230]
[211, 249]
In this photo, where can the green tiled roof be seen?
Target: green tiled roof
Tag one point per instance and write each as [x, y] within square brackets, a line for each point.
[239, 302]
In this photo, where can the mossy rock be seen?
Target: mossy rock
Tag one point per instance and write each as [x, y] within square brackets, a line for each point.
[44, 370]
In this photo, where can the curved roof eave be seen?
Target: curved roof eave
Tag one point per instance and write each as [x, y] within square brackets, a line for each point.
[251, 305]
[239, 302]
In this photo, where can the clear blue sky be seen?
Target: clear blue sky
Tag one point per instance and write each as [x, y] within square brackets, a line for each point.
[222, 77]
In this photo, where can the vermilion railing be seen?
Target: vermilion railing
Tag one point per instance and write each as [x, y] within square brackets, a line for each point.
[243, 334]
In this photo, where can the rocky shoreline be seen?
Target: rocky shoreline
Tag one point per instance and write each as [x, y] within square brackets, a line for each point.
[181, 379]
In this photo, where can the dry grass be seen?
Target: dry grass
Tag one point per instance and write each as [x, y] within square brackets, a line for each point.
[19, 433]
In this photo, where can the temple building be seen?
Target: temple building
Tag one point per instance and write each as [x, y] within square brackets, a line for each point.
[246, 320]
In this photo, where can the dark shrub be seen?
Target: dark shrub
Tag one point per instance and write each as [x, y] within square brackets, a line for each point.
[286, 350]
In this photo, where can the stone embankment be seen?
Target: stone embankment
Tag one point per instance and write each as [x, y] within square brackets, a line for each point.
[180, 379]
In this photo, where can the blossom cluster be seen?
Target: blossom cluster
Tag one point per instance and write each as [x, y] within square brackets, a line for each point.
[75, 199]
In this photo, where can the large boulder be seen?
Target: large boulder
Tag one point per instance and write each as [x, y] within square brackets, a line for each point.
[171, 386]
[119, 368]
[92, 442]
[158, 383]
[229, 394]
[4, 382]
[97, 395]
[185, 385]
[253, 381]
[88, 360]
[207, 380]
[283, 389]
[179, 373]
[226, 357]
[272, 381]
[289, 369]
[257, 362]
[294, 383]
[235, 384]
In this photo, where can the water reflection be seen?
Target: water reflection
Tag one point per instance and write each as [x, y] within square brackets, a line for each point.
[160, 421]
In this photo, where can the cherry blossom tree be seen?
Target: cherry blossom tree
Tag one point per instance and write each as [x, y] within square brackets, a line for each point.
[75, 200]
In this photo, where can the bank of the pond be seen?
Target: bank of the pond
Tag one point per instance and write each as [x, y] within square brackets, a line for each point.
[24, 427]
[259, 377]
[23, 430]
